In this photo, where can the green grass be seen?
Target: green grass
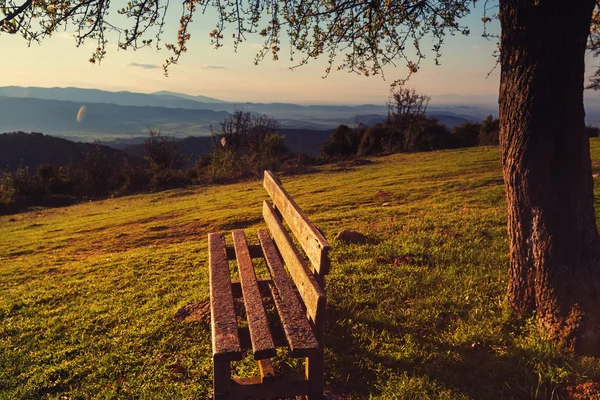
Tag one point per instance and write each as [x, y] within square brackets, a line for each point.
[88, 293]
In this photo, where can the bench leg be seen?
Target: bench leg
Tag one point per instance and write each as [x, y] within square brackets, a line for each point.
[221, 379]
[314, 374]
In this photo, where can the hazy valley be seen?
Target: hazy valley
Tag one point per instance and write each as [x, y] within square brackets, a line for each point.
[125, 117]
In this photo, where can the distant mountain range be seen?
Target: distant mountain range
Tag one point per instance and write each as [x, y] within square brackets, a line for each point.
[158, 99]
[98, 120]
[123, 115]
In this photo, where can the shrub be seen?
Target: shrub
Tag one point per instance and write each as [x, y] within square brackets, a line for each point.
[161, 152]
[298, 164]
[489, 132]
[245, 145]
[371, 142]
[221, 165]
[18, 190]
[8, 193]
[466, 135]
[164, 160]
[429, 134]
[343, 142]
[592, 131]
[267, 154]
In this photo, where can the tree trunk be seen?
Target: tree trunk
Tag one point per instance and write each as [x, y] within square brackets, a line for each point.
[554, 244]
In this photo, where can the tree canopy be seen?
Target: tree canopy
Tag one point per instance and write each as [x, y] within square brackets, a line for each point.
[365, 34]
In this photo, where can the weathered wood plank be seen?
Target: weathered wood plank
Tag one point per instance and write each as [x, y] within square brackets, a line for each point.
[225, 339]
[312, 294]
[312, 241]
[299, 334]
[260, 335]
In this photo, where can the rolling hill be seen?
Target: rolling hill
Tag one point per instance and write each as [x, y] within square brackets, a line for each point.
[90, 293]
[19, 149]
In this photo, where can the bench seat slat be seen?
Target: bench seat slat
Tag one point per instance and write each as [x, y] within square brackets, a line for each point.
[225, 339]
[309, 237]
[312, 294]
[299, 335]
[260, 335]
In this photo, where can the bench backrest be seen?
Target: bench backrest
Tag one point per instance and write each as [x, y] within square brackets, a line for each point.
[308, 280]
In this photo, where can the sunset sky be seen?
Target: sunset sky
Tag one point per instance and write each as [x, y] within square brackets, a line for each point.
[232, 76]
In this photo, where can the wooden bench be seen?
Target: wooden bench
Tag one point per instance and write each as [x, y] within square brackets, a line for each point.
[300, 301]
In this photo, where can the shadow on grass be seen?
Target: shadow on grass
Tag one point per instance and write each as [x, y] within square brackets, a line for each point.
[357, 365]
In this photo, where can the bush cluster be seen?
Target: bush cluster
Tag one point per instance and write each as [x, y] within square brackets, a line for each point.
[96, 175]
[421, 134]
[245, 145]
[407, 129]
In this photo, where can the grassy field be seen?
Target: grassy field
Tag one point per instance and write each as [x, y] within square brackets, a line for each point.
[89, 293]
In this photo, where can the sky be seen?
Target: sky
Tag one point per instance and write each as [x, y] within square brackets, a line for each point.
[224, 74]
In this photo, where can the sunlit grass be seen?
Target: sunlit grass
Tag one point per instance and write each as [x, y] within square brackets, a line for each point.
[88, 293]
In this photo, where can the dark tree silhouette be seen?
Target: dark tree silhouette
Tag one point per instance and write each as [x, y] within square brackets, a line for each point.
[553, 238]
[406, 108]
[251, 140]
[162, 152]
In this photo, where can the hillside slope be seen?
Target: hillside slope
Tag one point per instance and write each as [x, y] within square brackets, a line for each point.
[20, 149]
[89, 293]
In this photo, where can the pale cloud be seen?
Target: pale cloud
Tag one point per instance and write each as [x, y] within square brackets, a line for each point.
[208, 66]
[144, 66]
[476, 47]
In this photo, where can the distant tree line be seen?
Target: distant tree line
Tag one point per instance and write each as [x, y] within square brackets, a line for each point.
[407, 129]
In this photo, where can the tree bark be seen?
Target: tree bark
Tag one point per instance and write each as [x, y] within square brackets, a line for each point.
[554, 244]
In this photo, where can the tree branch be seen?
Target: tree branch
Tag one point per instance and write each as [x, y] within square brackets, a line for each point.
[14, 14]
